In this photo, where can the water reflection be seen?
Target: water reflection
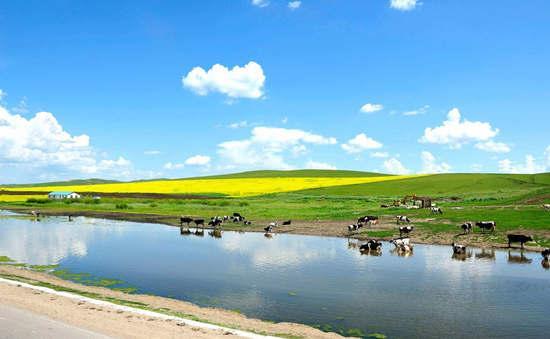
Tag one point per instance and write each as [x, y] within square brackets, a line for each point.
[514, 258]
[313, 280]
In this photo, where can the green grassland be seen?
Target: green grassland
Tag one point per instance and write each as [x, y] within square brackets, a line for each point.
[512, 200]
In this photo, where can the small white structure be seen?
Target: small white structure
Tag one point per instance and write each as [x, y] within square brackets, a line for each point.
[58, 195]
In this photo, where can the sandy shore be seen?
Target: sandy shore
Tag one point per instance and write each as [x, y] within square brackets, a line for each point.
[114, 322]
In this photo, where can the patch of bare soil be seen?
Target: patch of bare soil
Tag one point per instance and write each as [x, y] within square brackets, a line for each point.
[124, 324]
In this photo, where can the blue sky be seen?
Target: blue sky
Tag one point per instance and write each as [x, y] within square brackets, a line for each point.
[131, 89]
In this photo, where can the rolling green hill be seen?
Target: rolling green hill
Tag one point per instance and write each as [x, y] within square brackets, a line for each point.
[443, 185]
[92, 181]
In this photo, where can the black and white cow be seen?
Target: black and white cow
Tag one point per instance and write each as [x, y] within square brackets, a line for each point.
[466, 227]
[402, 218]
[521, 238]
[459, 249]
[436, 210]
[405, 230]
[269, 228]
[199, 222]
[400, 241]
[371, 245]
[486, 225]
[545, 253]
[248, 222]
[215, 222]
[368, 219]
[354, 227]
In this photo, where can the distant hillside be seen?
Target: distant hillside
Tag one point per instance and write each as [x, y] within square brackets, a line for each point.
[443, 185]
[92, 181]
[296, 174]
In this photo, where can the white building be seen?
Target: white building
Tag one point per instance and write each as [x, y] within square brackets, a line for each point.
[63, 195]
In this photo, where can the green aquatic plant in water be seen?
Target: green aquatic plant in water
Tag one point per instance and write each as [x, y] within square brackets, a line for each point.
[90, 280]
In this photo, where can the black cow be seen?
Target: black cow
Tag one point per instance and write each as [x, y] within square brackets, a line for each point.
[215, 222]
[199, 222]
[405, 229]
[185, 220]
[545, 253]
[466, 227]
[518, 259]
[486, 225]
[522, 239]
[286, 223]
[237, 215]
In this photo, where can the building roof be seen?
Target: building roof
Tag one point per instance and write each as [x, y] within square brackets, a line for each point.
[60, 193]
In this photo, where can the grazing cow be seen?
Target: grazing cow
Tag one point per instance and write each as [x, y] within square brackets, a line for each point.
[545, 253]
[237, 215]
[185, 220]
[522, 239]
[546, 206]
[459, 249]
[466, 227]
[402, 218]
[215, 222]
[368, 219]
[371, 245]
[225, 217]
[436, 210]
[199, 222]
[286, 223]
[405, 229]
[486, 225]
[248, 222]
[354, 227]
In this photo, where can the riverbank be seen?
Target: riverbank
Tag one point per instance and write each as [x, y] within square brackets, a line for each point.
[128, 315]
[428, 230]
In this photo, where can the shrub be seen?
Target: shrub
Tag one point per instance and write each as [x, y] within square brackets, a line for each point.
[123, 206]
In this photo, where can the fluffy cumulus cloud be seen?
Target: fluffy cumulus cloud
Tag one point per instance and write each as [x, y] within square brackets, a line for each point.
[404, 5]
[371, 108]
[361, 142]
[260, 3]
[493, 147]
[394, 166]
[267, 147]
[430, 165]
[529, 166]
[198, 160]
[456, 131]
[239, 82]
[319, 165]
[293, 5]
[40, 143]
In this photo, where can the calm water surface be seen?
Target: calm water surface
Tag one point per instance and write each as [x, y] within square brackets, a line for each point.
[313, 280]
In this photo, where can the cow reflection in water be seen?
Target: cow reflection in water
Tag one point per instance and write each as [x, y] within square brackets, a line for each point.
[467, 254]
[545, 263]
[353, 244]
[518, 259]
[487, 254]
[399, 252]
[184, 230]
[215, 233]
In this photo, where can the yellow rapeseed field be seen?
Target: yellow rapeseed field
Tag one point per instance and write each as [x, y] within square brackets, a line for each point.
[232, 187]
[14, 198]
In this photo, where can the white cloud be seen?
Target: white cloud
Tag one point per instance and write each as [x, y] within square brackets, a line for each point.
[379, 155]
[2, 94]
[403, 5]
[455, 132]
[267, 147]
[294, 4]
[238, 82]
[493, 147]
[151, 152]
[371, 108]
[173, 166]
[418, 111]
[260, 3]
[430, 165]
[360, 143]
[395, 166]
[239, 124]
[40, 143]
[319, 165]
[530, 166]
[198, 160]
